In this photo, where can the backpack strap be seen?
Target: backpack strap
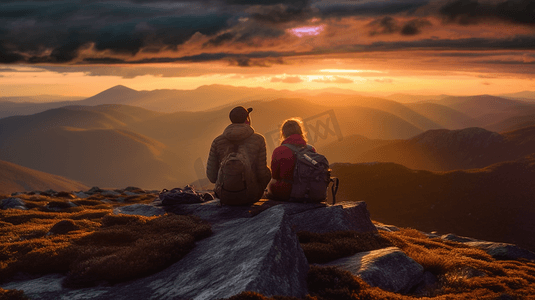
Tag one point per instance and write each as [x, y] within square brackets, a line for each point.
[296, 148]
[334, 188]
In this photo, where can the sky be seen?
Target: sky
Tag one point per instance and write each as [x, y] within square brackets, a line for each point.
[82, 47]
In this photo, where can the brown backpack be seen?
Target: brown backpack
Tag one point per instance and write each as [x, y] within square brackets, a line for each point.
[236, 182]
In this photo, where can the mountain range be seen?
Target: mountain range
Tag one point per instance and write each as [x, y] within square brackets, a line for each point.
[113, 140]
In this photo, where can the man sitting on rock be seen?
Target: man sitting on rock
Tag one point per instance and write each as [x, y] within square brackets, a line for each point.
[237, 161]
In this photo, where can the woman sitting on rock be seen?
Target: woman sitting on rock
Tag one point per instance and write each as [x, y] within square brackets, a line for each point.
[283, 159]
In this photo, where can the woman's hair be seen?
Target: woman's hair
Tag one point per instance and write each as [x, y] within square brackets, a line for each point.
[292, 126]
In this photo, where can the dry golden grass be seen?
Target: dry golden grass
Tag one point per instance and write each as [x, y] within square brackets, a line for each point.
[12, 295]
[325, 247]
[89, 243]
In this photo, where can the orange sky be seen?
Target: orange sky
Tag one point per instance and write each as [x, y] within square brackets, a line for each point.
[80, 48]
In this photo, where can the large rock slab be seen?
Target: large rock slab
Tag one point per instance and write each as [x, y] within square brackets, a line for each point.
[347, 216]
[389, 269]
[260, 254]
[211, 211]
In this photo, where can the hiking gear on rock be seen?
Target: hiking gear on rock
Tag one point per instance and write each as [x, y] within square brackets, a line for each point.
[188, 195]
[312, 175]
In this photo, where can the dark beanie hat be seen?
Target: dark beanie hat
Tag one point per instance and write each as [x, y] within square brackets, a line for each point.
[239, 114]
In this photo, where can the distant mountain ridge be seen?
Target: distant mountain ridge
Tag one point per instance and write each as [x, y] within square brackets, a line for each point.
[15, 178]
[491, 203]
[446, 150]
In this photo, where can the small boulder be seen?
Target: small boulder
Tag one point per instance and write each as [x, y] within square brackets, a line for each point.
[65, 195]
[387, 228]
[81, 195]
[59, 205]
[503, 251]
[134, 189]
[13, 203]
[389, 269]
[63, 227]
[110, 193]
[94, 190]
[455, 238]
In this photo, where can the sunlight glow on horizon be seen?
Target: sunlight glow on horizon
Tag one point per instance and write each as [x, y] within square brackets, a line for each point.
[350, 71]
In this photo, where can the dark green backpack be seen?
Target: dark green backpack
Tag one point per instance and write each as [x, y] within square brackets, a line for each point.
[312, 176]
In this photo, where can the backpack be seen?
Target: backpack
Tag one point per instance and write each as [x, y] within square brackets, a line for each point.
[236, 181]
[312, 176]
[187, 195]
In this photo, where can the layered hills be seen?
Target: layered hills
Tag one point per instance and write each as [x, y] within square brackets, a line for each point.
[440, 149]
[89, 144]
[113, 140]
[15, 178]
[492, 203]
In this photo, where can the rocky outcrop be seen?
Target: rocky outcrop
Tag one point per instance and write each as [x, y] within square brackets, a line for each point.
[260, 254]
[13, 203]
[347, 216]
[302, 217]
[389, 269]
[501, 251]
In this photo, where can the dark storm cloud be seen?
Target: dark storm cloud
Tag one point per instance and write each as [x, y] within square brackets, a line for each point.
[368, 8]
[385, 25]
[28, 29]
[130, 31]
[389, 25]
[414, 27]
[281, 13]
[467, 12]
[247, 35]
[126, 73]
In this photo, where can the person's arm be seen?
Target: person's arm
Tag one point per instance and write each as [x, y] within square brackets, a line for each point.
[263, 171]
[275, 165]
[212, 165]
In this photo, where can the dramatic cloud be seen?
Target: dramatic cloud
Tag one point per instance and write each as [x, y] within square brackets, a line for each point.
[389, 25]
[368, 7]
[249, 33]
[473, 11]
